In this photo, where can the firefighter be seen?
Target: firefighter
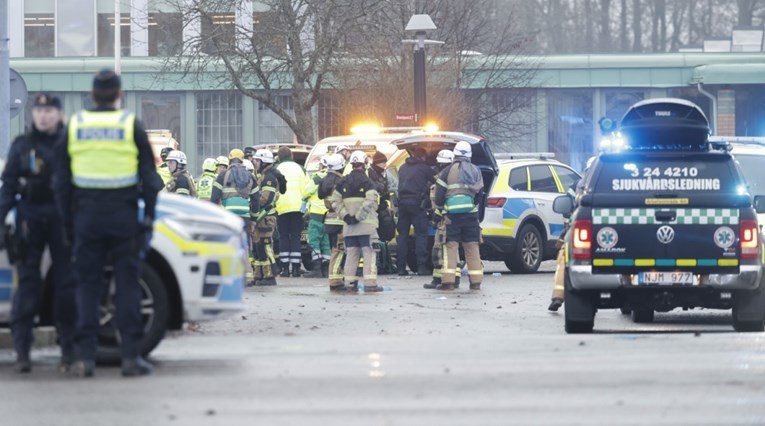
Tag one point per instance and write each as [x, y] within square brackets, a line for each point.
[290, 208]
[443, 159]
[457, 189]
[181, 182]
[415, 178]
[249, 152]
[99, 201]
[221, 163]
[207, 180]
[162, 169]
[318, 240]
[355, 201]
[27, 187]
[271, 184]
[333, 225]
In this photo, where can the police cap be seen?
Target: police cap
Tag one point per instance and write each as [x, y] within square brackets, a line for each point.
[47, 100]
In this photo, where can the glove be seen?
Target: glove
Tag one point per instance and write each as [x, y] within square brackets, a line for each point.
[350, 220]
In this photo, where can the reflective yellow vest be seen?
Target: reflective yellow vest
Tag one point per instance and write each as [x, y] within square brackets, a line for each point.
[205, 185]
[102, 149]
[311, 193]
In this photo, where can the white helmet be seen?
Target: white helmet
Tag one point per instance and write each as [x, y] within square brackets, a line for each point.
[463, 149]
[335, 162]
[341, 147]
[209, 165]
[358, 157]
[177, 156]
[444, 157]
[323, 160]
[264, 155]
[248, 165]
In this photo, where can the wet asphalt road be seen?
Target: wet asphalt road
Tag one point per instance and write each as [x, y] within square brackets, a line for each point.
[302, 356]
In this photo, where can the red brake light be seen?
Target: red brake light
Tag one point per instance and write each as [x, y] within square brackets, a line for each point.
[581, 239]
[750, 240]
[495, 202]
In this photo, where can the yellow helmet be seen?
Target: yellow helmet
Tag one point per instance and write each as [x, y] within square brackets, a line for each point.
[236, 153]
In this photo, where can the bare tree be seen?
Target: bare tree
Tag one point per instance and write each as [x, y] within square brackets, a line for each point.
[291, 50]
[746, 11]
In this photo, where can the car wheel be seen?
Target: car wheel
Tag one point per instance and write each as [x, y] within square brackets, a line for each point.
[642, 316]
[579, 310]
[528, 251]
[154, 314]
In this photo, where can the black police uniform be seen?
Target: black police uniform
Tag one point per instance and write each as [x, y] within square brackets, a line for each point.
[415, 178]
[28, 174]
[107, 230]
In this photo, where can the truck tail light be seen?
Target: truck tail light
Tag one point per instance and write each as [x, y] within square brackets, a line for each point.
[750, 240]
[581, 239]
[494, 202]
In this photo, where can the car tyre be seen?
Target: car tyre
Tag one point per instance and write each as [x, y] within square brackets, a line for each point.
[744, 304]
[154, 312]
[579, 309]
[642, 316]
[528, 252]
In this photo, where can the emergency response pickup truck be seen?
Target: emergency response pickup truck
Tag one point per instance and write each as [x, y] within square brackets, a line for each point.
[663, 221]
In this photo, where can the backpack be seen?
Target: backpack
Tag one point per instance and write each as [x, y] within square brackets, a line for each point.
[241, 178]
[281, 179]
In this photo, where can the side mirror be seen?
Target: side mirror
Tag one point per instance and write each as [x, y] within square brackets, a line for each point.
[564, 205]
[759, 203]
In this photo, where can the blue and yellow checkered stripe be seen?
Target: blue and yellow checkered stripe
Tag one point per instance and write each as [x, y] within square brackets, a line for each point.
[647, 216]
[680, 263]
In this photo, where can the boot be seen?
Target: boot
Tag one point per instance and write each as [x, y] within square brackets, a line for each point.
[266, 282]
[23, 364]
[325, 269]
[134, 367]
[284, 270]
[423, 270]
[373, 288]
[433, 284]
[295, 270]
[315, 271]
[476, 286]
[84, 369]
[338, 288]
[555, 304]
[67, 359]
[457, 281]
[353, 287]
[445, 286]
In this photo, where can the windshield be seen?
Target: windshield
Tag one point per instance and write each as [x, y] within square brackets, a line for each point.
[754, 172]
[324, 146]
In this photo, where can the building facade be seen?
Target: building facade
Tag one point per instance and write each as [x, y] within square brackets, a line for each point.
[57, 45]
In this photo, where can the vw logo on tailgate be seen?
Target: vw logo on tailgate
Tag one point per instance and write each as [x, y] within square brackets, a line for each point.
[665, 234]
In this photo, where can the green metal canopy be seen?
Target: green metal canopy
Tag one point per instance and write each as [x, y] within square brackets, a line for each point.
[729, 74]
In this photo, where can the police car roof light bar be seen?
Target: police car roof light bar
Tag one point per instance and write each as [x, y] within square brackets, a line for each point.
[523, 155]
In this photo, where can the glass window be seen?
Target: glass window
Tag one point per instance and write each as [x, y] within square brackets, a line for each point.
[542, 179]
[570, 125]
[217, 28]
[39, 35]
[165, 34]
[519, 179]
[330, 122]
[219, 124]
[271, 127]
[618, 101]
[567, 177]
[162, 112]
[106, 34]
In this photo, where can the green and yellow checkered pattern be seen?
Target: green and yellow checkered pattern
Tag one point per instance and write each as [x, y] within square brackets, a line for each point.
[647, 216]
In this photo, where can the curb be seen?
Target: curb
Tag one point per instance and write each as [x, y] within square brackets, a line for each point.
[44, 337]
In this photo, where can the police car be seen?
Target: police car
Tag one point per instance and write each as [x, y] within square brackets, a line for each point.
[193, 272]
[520, 226]
[665, 221]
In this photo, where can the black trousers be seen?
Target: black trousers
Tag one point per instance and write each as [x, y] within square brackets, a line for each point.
[290, 227]
[106, 236]
[411, 214]
[38, 230]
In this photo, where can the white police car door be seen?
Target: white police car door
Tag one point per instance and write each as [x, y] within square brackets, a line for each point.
[544, 188]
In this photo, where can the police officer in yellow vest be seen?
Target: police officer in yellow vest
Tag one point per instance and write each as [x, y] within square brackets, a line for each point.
[105, 168]
[318, 239]
[290, 208]
[207, 180]
[457, 188]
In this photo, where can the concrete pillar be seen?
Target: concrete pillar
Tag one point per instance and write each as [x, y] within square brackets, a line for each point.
[16, 28]
[540, 121]
[192, 26]
[244, 25]
[726, 112]
[139, 28]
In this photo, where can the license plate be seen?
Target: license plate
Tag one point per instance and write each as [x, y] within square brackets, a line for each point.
[668, 278]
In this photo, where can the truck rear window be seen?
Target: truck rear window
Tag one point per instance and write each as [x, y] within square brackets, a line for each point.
[706, 173]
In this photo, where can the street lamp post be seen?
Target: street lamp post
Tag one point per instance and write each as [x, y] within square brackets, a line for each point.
[420, 24]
